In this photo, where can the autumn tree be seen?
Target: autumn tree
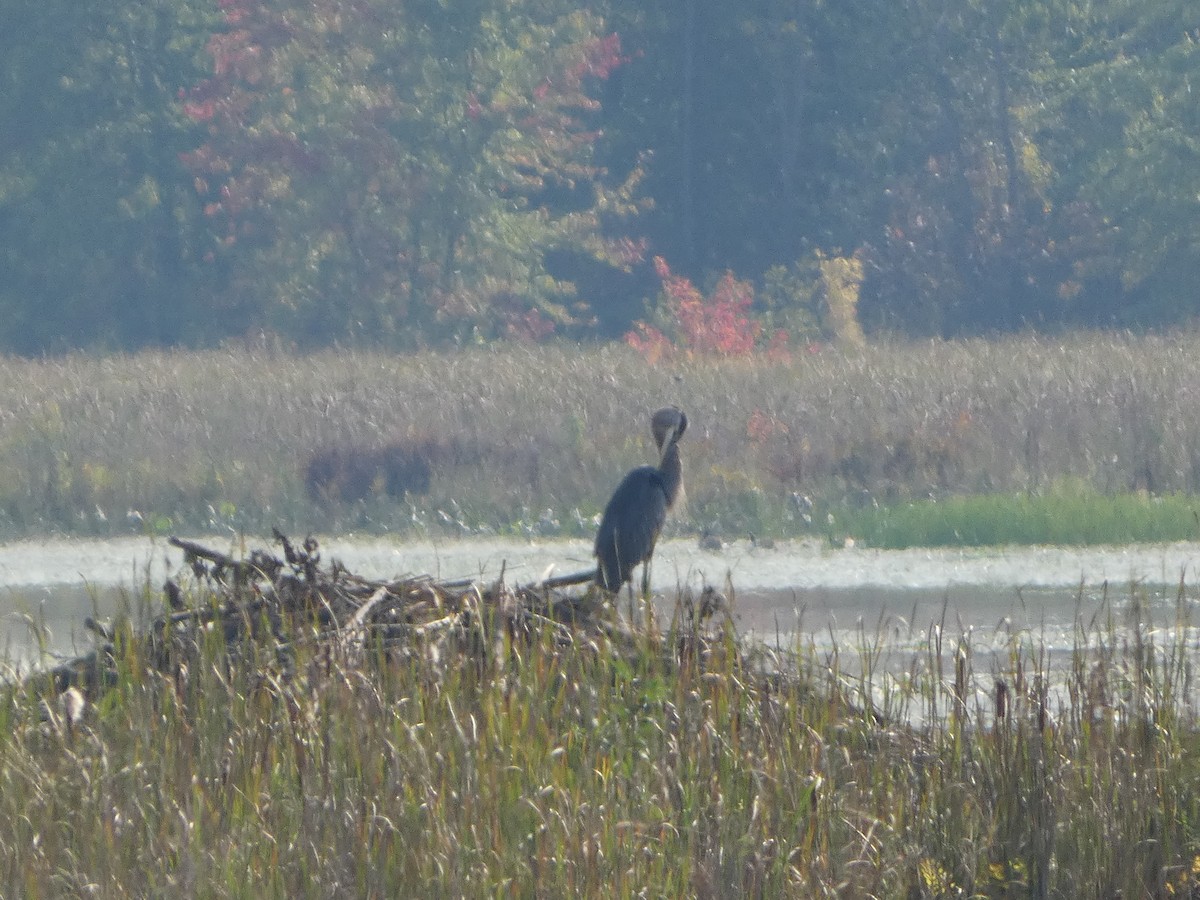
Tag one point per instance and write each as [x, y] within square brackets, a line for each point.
[966, 151]
[175, 171]
[399, 171]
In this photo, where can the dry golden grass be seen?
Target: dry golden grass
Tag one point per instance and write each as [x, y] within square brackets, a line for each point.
[221, 439]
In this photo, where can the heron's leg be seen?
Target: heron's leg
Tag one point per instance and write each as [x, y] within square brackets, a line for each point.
[644, 597]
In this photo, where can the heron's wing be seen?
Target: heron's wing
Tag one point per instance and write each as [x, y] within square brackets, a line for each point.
[631, 522]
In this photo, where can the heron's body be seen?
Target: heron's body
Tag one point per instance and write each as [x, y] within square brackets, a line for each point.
[635, 515]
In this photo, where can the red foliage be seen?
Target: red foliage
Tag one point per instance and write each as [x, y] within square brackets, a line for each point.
[474, 107]
[718, 325]
[626, 251]
[762, 426]
[778, 346]
[529, 326]
[601, 56]
[199, 111]
[650, 342]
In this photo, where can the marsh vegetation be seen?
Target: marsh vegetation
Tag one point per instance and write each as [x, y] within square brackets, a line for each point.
[848, 767]
[271, 761]
[1087, 438]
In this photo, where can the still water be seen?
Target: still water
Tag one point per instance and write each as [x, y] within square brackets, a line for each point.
[832, 598]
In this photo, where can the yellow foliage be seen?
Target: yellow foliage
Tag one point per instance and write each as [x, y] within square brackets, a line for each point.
[1034, 167]
[935, 878]
[841, 277]
[97, 477]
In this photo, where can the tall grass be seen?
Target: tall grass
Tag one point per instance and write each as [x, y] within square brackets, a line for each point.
[220, 439]
[815, 771]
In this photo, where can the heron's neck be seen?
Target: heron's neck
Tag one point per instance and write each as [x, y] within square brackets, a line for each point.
[671, 468]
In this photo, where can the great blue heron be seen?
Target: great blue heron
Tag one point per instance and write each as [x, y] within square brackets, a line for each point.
[638, 508]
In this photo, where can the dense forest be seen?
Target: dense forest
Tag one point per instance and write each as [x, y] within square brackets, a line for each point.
[403, 173]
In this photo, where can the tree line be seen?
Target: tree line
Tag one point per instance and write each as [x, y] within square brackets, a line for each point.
[178, 172]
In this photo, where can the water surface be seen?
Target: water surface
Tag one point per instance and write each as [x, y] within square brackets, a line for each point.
[829, 596]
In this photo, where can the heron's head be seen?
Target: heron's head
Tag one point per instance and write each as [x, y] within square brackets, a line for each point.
[668, 425]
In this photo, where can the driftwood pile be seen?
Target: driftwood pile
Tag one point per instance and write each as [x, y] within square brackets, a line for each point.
[265, 602]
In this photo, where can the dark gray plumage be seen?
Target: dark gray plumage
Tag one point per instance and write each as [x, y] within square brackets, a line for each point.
[635, 515]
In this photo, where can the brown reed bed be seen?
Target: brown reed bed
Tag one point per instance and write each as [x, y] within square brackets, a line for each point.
[486, 439]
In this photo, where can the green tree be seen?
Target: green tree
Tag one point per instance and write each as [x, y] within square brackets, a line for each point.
[97, 225]
[967, 242]
[744, 109]
[1119, 132]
